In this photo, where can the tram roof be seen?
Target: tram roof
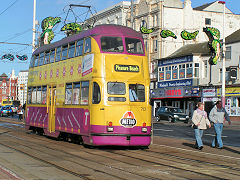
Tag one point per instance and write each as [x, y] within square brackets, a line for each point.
[104, 29]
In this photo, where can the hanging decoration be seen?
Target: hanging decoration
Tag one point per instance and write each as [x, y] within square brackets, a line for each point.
[167, 33]
[47, 26]
[72, 28]
[144, 29]
[22, 58]
[189, 36]
[8, 56]
[214, 44]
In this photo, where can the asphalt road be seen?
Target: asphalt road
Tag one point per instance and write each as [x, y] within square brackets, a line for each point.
[180, 130]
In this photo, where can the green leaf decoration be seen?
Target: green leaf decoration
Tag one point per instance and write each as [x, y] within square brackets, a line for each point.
[167, 33]
[72, 27]
[47, 26]
[144, 30]
[189, 36]
[214, 44]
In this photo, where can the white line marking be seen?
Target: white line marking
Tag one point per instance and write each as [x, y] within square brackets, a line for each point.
[75, 119]
[230, 157]
[163, 130]
[213, 135]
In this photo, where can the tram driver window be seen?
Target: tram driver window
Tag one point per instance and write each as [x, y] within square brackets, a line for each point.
[96, 97]
[111, 44]
[136, 93]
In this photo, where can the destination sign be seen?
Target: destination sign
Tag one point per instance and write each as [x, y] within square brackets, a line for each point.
[126, 68]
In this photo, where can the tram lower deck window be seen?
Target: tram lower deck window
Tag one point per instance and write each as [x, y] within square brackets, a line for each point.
[116, 88]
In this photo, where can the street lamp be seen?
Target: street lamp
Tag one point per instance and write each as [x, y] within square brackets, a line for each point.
[223, 55]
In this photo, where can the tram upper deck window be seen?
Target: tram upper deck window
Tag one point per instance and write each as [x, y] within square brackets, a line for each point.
[116, 88]
[71, 50]
[52, 56]
[36, 61]
[87, 45]
[134, 46]
[79, 48]
[41, 59]
[58, 54]
[111, 44]
[46, 59]
[32, 62]
[64, 52]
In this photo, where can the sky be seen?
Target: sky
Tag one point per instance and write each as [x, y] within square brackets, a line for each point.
[16, 17]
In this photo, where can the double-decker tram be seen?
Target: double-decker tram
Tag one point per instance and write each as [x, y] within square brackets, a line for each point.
[93, 86]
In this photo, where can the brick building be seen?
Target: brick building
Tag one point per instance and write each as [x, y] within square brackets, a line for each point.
[8, 87]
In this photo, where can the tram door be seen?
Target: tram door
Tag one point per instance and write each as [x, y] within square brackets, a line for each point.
[51, 102]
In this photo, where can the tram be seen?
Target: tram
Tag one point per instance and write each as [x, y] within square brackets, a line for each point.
[94, 86]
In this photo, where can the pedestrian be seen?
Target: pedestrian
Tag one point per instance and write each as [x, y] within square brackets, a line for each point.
[20, 112]
[200, 122]
[218, 115]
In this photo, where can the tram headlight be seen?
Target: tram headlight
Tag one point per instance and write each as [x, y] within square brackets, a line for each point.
[144, 129]
[110, 128]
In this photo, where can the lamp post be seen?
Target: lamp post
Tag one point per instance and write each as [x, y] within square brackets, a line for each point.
[223, 55]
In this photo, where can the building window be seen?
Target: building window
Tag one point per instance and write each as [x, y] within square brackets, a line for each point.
[189, 70]
[161, 74]
[182, 71]
[207, 21]
[228, 53]
[205, 69]
[174, 72]
[196, 70]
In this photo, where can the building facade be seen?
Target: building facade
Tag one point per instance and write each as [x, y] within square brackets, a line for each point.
[173, 15]
[8, 87]
[22, 86]
[186, 77]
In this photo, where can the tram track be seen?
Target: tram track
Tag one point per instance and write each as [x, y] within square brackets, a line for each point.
[152, 156]
[109, 168]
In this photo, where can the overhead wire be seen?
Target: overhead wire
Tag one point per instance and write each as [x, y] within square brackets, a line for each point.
[8, 7]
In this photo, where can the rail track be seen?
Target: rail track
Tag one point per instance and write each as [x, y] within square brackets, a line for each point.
[111, 163]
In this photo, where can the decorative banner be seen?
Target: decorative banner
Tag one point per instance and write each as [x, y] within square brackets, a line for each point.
[189, 36]
[144, 29]
[214, 44]
[8, 56]
[72, 28]
[167, 33]
[22, 58]
[47, 26]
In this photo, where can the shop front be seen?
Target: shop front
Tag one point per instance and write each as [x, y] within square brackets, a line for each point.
[185, 98]
[232, 101]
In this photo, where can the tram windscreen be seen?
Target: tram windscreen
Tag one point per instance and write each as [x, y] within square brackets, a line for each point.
[134, 46]
[111, 44]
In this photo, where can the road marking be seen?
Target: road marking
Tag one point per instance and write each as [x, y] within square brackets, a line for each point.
[213, 135]
[230, 157]
[163, 130]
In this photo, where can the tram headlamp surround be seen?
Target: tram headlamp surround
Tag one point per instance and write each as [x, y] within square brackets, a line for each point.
[144, 129]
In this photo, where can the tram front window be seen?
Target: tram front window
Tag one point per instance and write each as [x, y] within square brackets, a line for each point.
[134, 46]
[111, 44]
